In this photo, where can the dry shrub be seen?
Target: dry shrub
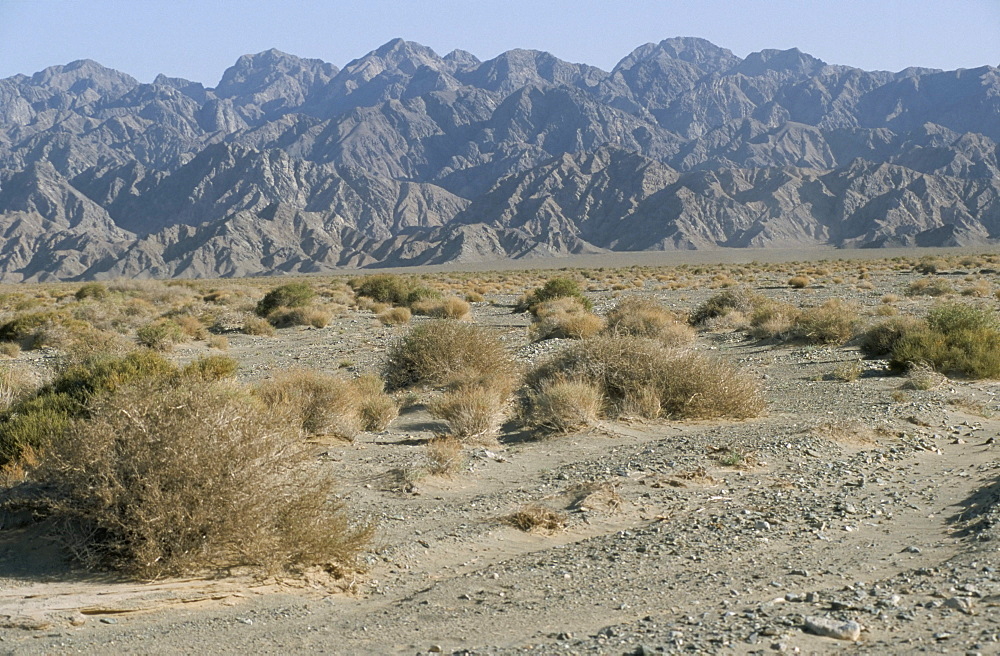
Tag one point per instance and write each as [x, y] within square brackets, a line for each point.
[291, 295]
[376, 409]
[564, 318]
[799, 282]
[536, 517]
[450, 307]
[211, 367]
[740, 299]
[171, 480]
[833, 322]
[258, 326]
[929, 287]
[445, 456]
[284, 317]
[218, 342]
[644, 317]
[394, 316]
[441, 352]
[773, 320]
[881, 339]
[847, 431]
[474, 410]
[848, 372]
[15, 384]
[317, 403]
[565, 405]
[474, 297]
[191, 326]
[10, 349]
[161, 335]
[635, 371]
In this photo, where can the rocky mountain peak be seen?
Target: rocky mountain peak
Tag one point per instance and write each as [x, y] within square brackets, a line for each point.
[792, 61]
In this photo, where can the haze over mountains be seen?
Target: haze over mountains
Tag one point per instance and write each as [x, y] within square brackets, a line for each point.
[407, 157]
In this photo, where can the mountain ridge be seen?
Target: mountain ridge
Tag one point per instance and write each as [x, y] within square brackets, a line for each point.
[407, 157]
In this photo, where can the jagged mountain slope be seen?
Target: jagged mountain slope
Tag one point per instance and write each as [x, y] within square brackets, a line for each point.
[404, 156]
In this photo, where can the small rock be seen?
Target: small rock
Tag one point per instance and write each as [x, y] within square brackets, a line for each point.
[762, 525]
[108, 620]
[961, 604]
[912, 549]
[822, 626]
[435, 649]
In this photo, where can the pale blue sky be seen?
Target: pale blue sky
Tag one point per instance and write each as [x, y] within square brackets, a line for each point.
[199, 39]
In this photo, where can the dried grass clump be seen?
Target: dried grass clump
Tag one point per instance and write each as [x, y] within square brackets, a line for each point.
[645, 317]
[285, 317]
[833, 322]
[535, 517]
[40, 419]
[449, 307]
[929, 287]
[211, 367]
[16, 384]
[740, 299]
[564, 318]
[161, 335]
[167, 480]
[445, 456]
[441, 352]
[316, 403]
[475, 409]
[799, 282]
[394, 316]
[259, 327]
[565, 405]
[636, 373]
[376, 409]
[773, 320]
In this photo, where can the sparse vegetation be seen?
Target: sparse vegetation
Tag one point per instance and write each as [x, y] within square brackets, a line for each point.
[442, 353]
[636, 372]
[167, 480]
[554, 288]
[536, 517]
[956, 339]
[292, 295]
[644, 317]
[564, 318]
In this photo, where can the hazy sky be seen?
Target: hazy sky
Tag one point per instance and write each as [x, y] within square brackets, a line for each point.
[199, 39]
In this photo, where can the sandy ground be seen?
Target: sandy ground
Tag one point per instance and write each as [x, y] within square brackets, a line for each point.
[857, 503]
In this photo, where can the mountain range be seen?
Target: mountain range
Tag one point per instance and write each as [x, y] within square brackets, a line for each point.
[407, 157]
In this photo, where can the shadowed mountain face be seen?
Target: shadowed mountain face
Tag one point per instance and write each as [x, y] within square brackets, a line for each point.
[407, 157]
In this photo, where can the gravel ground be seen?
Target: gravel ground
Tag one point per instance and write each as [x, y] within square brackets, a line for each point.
[856, 507]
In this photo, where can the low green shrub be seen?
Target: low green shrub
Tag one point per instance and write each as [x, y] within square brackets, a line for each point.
[292, 295]
[956, 340]
[552, 289]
